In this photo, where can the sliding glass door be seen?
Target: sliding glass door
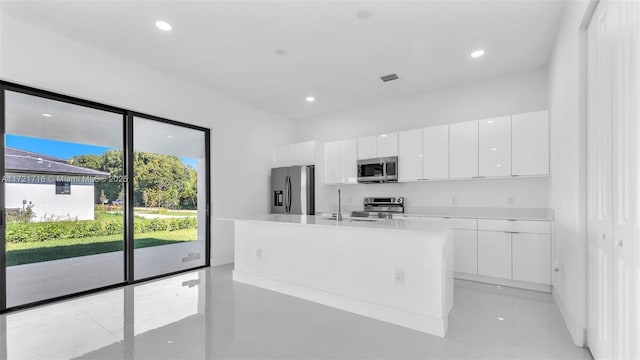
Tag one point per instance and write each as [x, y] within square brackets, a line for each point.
[63, 167]
[169, 197]
[94, 196]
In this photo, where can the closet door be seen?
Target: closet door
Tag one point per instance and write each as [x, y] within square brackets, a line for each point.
[624, 18]
[599, 187]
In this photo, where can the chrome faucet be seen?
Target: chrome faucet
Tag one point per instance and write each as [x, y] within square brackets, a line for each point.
[339, 214]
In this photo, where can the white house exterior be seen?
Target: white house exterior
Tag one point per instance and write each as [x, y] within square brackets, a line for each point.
[57, 190]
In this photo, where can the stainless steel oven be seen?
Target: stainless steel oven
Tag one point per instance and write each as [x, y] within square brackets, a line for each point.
[378, 170]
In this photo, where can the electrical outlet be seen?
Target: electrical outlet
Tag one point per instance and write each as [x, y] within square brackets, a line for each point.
[258, 253]
[511, 200]
[454, 200]
[398, 276]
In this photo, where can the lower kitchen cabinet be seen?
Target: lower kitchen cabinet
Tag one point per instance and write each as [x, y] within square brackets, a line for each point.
[494, 254]
[531, 257]
[465, 251]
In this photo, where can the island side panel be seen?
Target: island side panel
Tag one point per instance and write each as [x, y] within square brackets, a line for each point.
[331, 264]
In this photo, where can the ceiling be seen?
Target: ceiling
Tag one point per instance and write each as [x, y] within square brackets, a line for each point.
[334, 50]
[24, 117]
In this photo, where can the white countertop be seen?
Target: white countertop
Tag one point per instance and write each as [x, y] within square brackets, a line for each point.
[535, 214]
[434, 225]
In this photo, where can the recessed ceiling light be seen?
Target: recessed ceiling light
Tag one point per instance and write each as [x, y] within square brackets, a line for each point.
[490, 121]
[163, 25]
[477, 53]
[46, 115]
[310, 99]
[494, 149]
[364, 14]
[499, 165]
[169, 136]
[383, 135]
[500, 318]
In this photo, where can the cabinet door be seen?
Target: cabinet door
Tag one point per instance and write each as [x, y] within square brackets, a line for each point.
[435, 152]
[331, 162]
[494, 254]
[530, 143]
[410, 155]
[463, 150]
[305, 153]
[367, 147]
[387, 144]
[348, 149]
[531, 257]
[285, 155]
[495, 146]
[465, 251]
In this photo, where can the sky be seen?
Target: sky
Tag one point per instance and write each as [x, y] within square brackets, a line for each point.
[63, 149]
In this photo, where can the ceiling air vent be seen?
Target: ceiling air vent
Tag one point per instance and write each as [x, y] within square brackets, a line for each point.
[388, 77]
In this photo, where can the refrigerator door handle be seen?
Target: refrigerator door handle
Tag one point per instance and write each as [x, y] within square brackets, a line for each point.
[289, 194]
[286, 194]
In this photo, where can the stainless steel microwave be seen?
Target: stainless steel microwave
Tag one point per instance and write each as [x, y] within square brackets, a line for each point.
[378, 170]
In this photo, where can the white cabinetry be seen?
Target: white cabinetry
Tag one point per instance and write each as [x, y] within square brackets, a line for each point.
[435, 152]
[494, 254]
[387, 144]
[463, 150]
[410, 155]
[348, 149]
[465, 251]
[340, 162]
[303, 153]
[531, 257]
[530, 139]
[495, 146]
[367, 147]
[382, 145]
[332, 162]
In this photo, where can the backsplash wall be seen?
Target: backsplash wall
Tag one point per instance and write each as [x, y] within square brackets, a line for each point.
[467, 193]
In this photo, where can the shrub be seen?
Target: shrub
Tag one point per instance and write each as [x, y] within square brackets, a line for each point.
[42, 231]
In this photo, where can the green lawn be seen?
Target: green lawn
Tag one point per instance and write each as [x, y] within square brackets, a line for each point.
[31, 252]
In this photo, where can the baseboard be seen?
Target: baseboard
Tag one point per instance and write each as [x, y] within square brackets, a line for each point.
[504, 282]
[578, 333]
[221, 260]
[408, 319]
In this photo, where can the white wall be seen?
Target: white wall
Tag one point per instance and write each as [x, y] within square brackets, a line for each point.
[567, 190]
[505, 95]
[48, 204]
[242, 136]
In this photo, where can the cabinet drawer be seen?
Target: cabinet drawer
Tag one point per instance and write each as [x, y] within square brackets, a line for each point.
[534, 227]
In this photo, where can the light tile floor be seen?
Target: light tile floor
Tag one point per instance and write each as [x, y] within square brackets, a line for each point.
[204, 315]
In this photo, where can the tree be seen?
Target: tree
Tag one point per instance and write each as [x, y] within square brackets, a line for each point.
[103, 197]
[159, 180]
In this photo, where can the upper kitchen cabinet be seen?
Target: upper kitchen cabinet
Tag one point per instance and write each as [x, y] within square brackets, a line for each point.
[374, 146]
[367, 147]
[410, 155]
[495, 146]
[305, 153]
[296, 154]
[285, 155]
[530, 143]
[435, 152]
[348, 153]
[332, 162]
[340, 163]
[463, 150]
[387, 144]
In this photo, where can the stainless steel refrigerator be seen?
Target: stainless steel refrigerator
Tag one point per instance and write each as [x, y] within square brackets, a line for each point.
[292, 190]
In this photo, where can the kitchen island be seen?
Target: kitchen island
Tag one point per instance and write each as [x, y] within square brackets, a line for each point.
[398, 271]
